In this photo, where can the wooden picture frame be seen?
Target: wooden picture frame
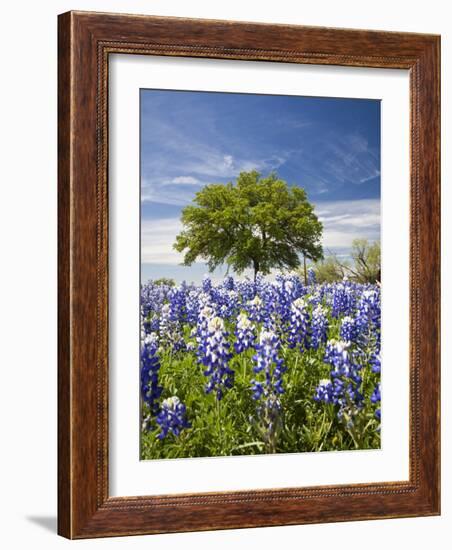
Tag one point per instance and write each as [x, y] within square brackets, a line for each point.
[85, 42]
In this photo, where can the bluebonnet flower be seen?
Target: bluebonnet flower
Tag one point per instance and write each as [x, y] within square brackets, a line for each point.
[298, 324]
[246, 290]
[376, 395]
[228, 300]
[228, 283]
[342, 299]
[206, 284]
[150, 321]
[244, 333]
[215, 357]
[368, 317]
[255, 309]
[192, 306]
[273, 323]
[165, 324]
[331, 391]
[349, 330]
[324, 392]
[376, 398]
[177, 304]
[286, 290]
[319, 327]
[375, 363]
[152, 297]
[170, 330]
[268, 390]
[150, 365]
[315, 298]
[311, 276]
[205, 314]
[344, 388]
[337, 355]
[267, 361]
[267, 293]
[172, 417]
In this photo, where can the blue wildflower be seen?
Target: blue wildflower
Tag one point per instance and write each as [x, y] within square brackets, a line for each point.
[244, 333]
[268, 390]
[172, 417]
[368, 317]
[337, 355]
[255, 309]
[215, 357]
[324, 392]
[344, 388]
[376, 398]
[319, 327]
[349, 331]
[170, 330]
[375, 363]
[150, 365]
[341, 299]
[311, 276]
[298, 324]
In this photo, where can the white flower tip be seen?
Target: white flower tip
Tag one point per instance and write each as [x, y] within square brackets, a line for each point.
[171, 402]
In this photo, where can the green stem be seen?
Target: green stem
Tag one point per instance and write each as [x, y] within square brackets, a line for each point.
[219, 429]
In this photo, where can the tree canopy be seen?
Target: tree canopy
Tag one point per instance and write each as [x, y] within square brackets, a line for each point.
[259, 223]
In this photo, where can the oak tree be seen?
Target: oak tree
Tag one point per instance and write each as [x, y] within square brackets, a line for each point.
[259, 223]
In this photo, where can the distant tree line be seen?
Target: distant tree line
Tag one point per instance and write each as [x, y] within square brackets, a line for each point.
[364, 267]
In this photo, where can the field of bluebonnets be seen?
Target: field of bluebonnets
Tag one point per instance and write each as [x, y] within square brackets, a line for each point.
[243, 367]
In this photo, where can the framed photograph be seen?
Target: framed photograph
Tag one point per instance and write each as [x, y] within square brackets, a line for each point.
[249, 263]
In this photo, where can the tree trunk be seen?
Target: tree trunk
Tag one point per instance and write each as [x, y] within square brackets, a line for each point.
[305, 271]
[256, 269]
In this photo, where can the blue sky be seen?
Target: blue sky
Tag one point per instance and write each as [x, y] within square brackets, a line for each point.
[328, 146]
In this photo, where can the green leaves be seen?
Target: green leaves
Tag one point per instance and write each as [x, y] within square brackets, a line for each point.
[259, 223]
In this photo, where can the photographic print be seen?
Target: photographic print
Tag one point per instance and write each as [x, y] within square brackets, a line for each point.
[260, 274]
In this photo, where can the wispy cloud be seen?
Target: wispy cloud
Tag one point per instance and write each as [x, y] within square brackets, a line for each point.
[333, 160]
[157, 239]
[203, 165]
[185, 180]
[178, 152]
[350, 159]
[344, 221]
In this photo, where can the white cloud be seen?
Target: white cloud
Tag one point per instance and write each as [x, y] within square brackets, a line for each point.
[186, 161]
[228, 161]
[351, 159]
[213, 167]
[157, 239]
[185, 180]
[344, 221]
[166, 194]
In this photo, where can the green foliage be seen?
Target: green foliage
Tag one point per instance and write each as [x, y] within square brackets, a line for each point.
[258, 223]
[365, 267]
[167, 281]
[329, 270]
[366, 259]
